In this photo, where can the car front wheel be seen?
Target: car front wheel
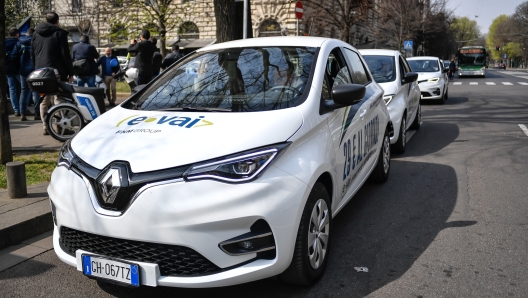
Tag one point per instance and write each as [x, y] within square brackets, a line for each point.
[313, 240]
[381, 171]
[399, 146]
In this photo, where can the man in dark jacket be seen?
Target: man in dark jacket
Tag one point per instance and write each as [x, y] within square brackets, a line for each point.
[49, 48]
[144, 52]
[12, 71]
[22, 53]
[172, 57]
[107, 72]
[84, 50]
[156, 58]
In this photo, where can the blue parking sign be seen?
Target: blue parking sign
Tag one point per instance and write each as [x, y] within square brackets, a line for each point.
[408, 45]
[505, 56]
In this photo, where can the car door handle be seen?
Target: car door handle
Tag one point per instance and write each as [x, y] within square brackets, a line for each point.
[362, 114]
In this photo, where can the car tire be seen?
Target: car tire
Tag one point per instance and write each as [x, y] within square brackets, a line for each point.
[446, 95]
[417, 119]
[308, 264]
[400, 145]
[382, 169]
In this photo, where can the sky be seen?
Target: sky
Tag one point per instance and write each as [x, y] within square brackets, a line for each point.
[487, 10]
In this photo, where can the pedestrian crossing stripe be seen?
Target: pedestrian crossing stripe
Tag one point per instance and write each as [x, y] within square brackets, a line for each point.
[523, 77]
[523, 83]
[507, 83]
[457, 83]
[490, 83]
[473, 83]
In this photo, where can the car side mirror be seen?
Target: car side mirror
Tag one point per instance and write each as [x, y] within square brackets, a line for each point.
[138, 88]
[343, 95]
[409, 77]
[348, 94]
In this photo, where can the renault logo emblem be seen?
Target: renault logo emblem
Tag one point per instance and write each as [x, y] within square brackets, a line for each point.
[110, 183]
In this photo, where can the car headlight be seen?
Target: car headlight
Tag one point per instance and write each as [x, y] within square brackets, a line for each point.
[387, 98]
[433, 80]
[483, 68]
[459, 68]
[237, 168]
[66, 155]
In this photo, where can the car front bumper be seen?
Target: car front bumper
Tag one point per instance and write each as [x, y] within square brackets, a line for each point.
[197, 215]
[431, 90]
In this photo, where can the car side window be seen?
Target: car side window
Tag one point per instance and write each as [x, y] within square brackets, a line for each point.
[357, 71]
[336, 73]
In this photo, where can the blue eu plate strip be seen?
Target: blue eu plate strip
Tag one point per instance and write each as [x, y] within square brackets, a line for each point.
[87, 265]
[134, 276]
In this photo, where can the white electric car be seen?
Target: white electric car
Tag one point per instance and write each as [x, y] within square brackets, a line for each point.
[223, 175]
[432, 77]
[402, 94]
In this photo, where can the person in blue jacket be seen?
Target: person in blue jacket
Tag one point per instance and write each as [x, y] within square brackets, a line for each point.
[109, 67]
[84, 50]
[12, 71]
[22, 53]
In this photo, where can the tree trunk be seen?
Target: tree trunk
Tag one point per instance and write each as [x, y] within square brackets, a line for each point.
[229, 20]
[6, 151]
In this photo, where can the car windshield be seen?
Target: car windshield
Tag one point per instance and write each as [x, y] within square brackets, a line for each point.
[424, 65]
[237, 80]
[381, 67]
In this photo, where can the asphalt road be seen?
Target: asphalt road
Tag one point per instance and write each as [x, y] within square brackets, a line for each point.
[451, 221]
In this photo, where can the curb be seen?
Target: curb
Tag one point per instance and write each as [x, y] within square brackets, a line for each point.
[24, 230]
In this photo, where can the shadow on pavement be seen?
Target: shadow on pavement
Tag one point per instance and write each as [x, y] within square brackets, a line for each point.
[385, 228]
[432, 137]
[20, 272]
[456, 100]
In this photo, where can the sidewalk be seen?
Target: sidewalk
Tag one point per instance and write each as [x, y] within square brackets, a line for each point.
[22, 219]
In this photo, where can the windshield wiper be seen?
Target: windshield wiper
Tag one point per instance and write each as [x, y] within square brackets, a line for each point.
[197, 109]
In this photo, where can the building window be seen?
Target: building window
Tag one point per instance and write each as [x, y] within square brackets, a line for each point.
[189, 30]
[117, 3]
[76, 6]
[269, 27]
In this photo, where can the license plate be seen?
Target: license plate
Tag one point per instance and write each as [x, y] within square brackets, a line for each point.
[109, 269]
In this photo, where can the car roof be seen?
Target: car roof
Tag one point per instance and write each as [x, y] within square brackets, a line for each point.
[422, 58]
[269, 41]
[377, 52]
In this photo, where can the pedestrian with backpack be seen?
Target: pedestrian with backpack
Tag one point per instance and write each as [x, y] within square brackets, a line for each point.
[22, 53]
[12, 71]
[84, 55]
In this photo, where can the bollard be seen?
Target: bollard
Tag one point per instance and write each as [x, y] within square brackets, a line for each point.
[16, 179]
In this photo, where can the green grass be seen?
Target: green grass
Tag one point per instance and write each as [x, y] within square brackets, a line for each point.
[122, 87]
[38, 167]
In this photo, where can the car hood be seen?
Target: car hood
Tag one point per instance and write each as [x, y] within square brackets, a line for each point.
[389, 87]
[427, 75]
[153, 140]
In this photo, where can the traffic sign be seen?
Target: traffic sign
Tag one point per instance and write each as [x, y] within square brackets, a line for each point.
[299, 10]
[505, 56]
[408, 45]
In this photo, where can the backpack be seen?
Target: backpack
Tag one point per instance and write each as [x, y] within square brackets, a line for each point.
[26, 64]
[81, 67]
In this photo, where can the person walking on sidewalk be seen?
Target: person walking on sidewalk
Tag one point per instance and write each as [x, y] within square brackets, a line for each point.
[22, 53]
[12, 71]
[84, 55]
[172, 57]
[144, 52]
[49, 48]
[109, 67]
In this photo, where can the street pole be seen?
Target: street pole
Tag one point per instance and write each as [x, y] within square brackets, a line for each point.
[297, 27]
[244, 35]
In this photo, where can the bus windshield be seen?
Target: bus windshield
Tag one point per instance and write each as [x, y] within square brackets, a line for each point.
[472, 57]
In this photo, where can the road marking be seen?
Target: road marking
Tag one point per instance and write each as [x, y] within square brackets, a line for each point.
[473, 83]
[507, 83]
[523, 77]
[457, 83]
[523, 83]
[524, 128]
[490, 83]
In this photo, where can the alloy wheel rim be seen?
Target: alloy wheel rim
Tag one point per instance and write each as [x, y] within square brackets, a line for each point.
[64, 120]
[318, 234]
[404, 132]
[386, 154]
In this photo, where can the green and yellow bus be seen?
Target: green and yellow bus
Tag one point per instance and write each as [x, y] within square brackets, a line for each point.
[472, 61]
